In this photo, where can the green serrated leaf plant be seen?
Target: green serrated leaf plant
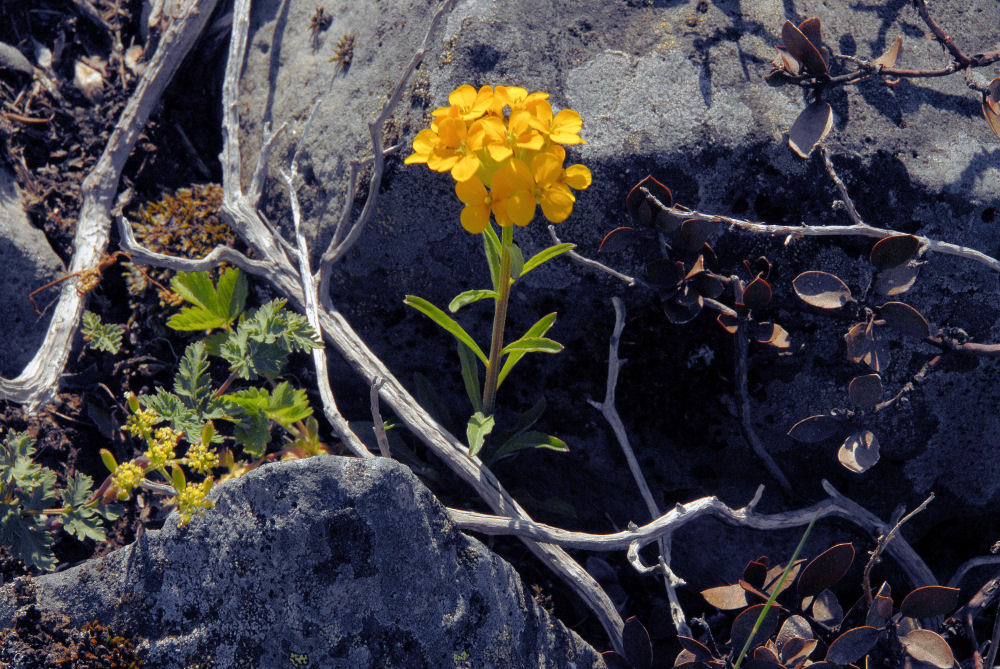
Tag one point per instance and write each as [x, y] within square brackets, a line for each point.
[254, 345]
[504, 148]
[33, 508]
[101, 336]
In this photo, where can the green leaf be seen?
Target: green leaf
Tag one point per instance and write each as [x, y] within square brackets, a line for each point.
[537, 330]
[254, 434]
[192, 383]
[529, 417]
[214, 307]
[446, 322]
[470, 376]
[263, 340]
[479, 426]
[101, 336]
[177, 478]
[174, 410]
[530, 439]
[491, 247]
[533, 345]
[546, 255]
[28, 540]
[284, 405]
[516, 261]
[470, 296]
[232, 292]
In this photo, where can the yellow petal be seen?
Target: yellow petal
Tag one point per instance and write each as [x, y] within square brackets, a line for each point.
[546, 169]
[565, 127]
[578, 176]
[499, 152]
[466, 167]
[415, 158]
[557, 203]
[463, 96]
[475, 218]
[441, 161]
[451, 132]
[471, 191]
[521, 207]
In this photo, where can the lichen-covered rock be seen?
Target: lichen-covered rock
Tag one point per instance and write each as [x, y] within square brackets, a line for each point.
[343, 562]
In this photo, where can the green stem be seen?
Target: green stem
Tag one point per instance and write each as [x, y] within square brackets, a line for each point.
[499, 321]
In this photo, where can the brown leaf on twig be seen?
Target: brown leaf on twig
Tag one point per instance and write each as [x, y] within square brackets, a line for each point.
[905, 319]
[822, 289]
[802, 48]
[866, 344]
[865, 391]
[810, 128]
[893, 251]
[859, 452]
[888, 59]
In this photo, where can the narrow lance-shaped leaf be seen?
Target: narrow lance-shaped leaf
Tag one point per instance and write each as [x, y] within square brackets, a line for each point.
[537, 330]
[530, 439]
[445, 321]
[533, 345]
[470, 376]
[491, 248]
[545, 255]
[469, 297]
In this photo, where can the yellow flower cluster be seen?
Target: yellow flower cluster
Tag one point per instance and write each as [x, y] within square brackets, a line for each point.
[141, 423]
[502, 146]
[161, 447]
[126, 478]
[193, 500]
[201, 458]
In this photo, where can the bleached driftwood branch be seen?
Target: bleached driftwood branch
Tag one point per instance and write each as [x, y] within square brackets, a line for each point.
[836, 505]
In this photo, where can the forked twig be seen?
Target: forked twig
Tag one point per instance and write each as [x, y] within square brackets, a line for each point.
[610, 413]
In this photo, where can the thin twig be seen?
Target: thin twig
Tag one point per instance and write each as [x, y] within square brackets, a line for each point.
[610, 413]
[846, 197]
[883, 542]
[592, 263]
[741, 343]
[378, 424]
[797, 231]
[340, 425]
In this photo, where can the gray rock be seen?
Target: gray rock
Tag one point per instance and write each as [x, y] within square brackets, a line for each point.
[674, 89]
[350, 563]
[28, 263]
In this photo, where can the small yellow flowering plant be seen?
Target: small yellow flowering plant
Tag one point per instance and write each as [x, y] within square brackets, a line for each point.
[256, 345]
[504, 148]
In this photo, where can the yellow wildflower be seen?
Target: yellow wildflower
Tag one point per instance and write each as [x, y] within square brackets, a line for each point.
[161, 447]
[201, 458]
[141, 423]
[126, 478]
[192, 500]
[513, 194]
[552, 183]
[563, 128]
[478, 202]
